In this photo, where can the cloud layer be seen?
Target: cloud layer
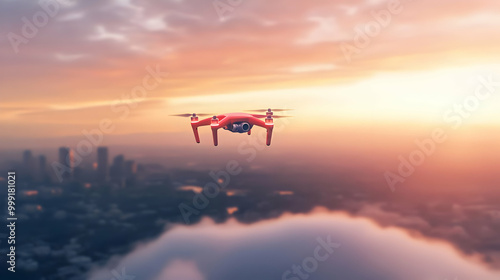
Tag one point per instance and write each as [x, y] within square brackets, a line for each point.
[88, 51]
[267, 250]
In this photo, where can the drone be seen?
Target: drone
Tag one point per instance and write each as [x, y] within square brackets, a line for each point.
[235, 122]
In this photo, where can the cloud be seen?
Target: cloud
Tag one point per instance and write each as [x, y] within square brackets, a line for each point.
[258, 40]
[265, 250]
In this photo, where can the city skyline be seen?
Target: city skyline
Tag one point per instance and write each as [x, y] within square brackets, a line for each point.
[63, 169]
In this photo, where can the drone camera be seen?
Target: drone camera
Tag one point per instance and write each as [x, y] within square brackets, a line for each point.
[245, 127]
[242, 127]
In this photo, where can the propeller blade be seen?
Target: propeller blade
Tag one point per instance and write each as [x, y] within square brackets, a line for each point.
[274, 117]
[273, 110]
[190, 115]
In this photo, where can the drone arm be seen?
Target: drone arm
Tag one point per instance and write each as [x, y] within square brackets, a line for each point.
[196, 134]
[215, 127]
[269, 134]
[196, 124]
[269, 129]
[268, 126]
[214, 135]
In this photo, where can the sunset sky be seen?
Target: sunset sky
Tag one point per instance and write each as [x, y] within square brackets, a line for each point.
[366, 78]
[90, 55]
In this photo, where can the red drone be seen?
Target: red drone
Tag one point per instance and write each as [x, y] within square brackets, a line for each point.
[234, 122]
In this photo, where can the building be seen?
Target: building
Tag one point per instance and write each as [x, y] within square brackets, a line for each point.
[29, 164]
[102, 164]
[117, 170]
[130, 168]
[67, 161]
[42, 169]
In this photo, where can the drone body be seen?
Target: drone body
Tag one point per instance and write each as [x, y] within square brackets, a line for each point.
[234, 122]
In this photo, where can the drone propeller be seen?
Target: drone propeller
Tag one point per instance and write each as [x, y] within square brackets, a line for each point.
[191, 115]
[274, 117]
[269, 109]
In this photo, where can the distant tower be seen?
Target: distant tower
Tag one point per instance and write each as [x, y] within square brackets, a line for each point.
[29, 164]
[67, 160]
[27, 156]
[42, 168]
[102, 164]
[130, 170]
[117, 170]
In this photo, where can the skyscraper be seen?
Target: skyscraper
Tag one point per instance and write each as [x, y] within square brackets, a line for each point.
[130, 170]
[117, 170]
[42, 168]
[27, 156]
[118, 166]
[102, 164]
[66, 159]
[29, 164]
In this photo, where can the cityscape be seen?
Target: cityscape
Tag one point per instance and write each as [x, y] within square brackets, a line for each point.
[35, 169]
[104, 208]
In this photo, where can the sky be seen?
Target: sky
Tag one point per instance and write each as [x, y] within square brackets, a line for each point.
[366, 79]
[83, 62]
